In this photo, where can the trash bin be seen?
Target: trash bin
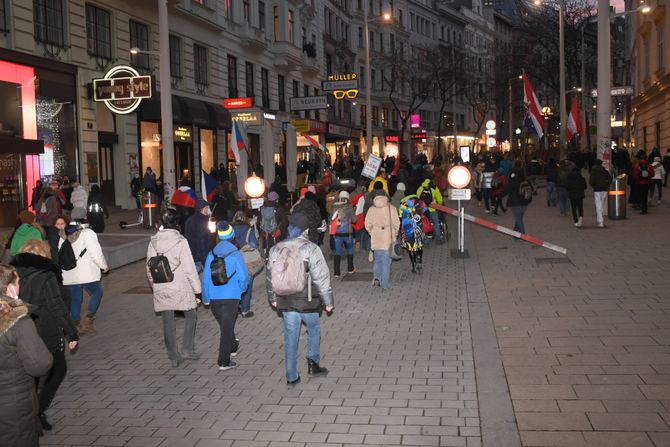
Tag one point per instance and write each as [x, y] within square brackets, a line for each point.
[616, 198]
[149, 209]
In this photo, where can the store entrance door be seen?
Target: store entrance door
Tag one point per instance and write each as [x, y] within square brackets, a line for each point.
[184, 162]
[106, 170]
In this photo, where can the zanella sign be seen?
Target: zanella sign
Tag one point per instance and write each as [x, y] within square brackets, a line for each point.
[122, 89]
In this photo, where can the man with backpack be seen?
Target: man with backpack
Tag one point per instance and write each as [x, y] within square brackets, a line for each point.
[298, 287]
[429, 193]
[341, 229]
[272, 225]
[643, 172]
[225, 279]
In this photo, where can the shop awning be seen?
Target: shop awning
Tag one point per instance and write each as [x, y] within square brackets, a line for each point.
[220, 116]
[188, 111]
[13, 145]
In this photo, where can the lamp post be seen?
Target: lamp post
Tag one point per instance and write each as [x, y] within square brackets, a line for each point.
[511, 114]
[368, 76]
[546, 113]
[254, 187]
[166, 98]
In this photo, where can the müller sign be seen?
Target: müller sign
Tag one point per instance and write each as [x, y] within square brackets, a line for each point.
[122, 89]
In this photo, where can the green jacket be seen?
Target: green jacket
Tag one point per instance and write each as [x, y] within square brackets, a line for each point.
[437, 195]
[24, 233]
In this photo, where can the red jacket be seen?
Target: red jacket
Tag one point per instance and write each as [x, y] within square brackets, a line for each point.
[637, 173]
[359, 224]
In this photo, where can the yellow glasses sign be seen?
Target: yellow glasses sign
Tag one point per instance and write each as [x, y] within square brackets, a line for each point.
[350, 94]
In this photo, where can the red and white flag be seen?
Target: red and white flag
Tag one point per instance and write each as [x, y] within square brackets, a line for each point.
[574, 126]
[237, 143]
[313, 142]
[534, 110]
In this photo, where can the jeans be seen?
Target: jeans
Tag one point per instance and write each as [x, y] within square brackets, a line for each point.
[225, 313]
[52, 381]
[292, 324]
[245, 301]
[364, 238]
[435, 220]
[382, 268]
[577, 206]
[600, 197]
[656, 183]
[563, 199]
[498, 202]
[486, 194]
[346, 241]
[170, 333]
[77, 291]
[518, 212]
[551, 193]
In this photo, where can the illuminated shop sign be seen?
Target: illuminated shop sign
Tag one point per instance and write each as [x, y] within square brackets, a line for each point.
[183, 134]
[122, 89]
[238, 103]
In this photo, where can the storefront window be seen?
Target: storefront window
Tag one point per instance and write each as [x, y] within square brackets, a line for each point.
[150, 136]
[207, 150]
[56, 125]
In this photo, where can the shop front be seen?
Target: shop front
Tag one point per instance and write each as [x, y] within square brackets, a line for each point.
[340, 143]
[37, 127]
[391, 143]
[309, 135]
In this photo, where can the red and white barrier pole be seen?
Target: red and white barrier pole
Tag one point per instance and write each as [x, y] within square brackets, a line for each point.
[495, 227]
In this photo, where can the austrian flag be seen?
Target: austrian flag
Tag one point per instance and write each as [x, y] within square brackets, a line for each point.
[574, 126]
[533, 108]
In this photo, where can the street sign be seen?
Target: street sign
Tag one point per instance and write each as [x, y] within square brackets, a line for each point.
[329, 86]
[459, 194]
[615, 91]
[238, 103]
[309, 103]
[122, 89]
[491, 142]
[490, 125]
[490, 132]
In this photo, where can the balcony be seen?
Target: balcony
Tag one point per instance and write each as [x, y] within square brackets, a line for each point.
[310, 66]
[253, 39]
[288, 57]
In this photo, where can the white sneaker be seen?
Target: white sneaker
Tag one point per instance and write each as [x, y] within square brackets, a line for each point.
[601, 225]
[230, 365]
[580, 222]
[577, 224]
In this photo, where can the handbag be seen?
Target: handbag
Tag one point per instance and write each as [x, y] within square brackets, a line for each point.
[252, 257]
[426, 225]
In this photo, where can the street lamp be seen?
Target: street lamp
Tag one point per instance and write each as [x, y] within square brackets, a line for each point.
[368, 77]
[546, 113]
[511, 115]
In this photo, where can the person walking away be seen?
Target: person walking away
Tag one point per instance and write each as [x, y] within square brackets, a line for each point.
[23, 358]
[411, 230]
[309, 207]
[561, 192]
[47, 207]
[487, 177]
[498, 185]
[149, 181]
[398, 195]
[97, 210]
[576, 185]
[28, 230]
[358, 203]
[223, 202]
[643, 172]
[178, 295]
[39, 282]
[136, 190]
[299, 291]
[600, 180]
[666, 168]
[341, 228]
[222, 289]
[551, 171]
[246, 237]
[382, 223]
[429, 193]
[478, 176]
[657, 180]
[86, 275]
[273, 224]
[534, 171]
[198, 235]
[37, 193]
[79, 199]
[517, 197]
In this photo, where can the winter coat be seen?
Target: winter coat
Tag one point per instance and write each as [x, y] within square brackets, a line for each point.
[512, 189]
[659, 171]
[149, 182]
[39, 279]
[369, 199]
[25, 232]
[245, 235]
[358, 202]
[551, 171]
[563, 172]
[198, 236]
[410, 220]
[236, 268]
[575, 185]
[50, 206]
[437, 195]
[222, 205]
[341, 211]
[397, 198]
[322, 292]
[90, 262]
[79, 198]
[23, 357]
[384, 182]
[382, 223]
[502, 184]
[637, 173]
[311, 209]
[97, 211]
[178, 294]
[600, 179]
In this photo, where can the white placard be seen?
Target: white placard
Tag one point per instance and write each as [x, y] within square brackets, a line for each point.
[465, 154]
[371, 167]
[256, 203]
[459, 194]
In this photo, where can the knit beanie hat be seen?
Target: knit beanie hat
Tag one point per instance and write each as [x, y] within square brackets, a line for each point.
[27, 217]
[225, 231]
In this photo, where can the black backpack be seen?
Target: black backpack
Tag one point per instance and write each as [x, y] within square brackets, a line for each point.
[159, 267]
[218, 270]
[526, 191]
[66, 258]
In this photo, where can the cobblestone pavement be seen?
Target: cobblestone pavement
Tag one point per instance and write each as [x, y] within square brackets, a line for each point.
[585, 344]
[401, 372]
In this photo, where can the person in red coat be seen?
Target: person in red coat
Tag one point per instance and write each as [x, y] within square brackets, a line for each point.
[643, 172]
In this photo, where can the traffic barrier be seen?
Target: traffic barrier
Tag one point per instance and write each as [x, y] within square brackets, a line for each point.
[495, 227]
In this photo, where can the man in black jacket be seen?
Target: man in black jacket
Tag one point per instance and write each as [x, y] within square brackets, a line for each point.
[600, 180]
[197, 233]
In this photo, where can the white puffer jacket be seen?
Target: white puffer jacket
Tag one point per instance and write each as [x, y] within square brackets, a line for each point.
[179, 294]
[90, 263]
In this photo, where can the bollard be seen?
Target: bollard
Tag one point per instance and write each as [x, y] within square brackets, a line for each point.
[616, 198]
[149, 209]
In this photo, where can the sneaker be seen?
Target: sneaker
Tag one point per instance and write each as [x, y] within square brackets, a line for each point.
[375, 282]
[487, 211]
[247, 314]
[231, 365]
[580, 222]
[237, 349]
[601, 225]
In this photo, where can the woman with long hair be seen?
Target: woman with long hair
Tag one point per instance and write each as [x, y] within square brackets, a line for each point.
[40, 280]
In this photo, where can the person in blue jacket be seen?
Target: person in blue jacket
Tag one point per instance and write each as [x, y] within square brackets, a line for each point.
[225, 299]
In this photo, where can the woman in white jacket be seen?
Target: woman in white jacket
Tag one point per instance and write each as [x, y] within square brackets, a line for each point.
[86, 275]
[178, 294]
